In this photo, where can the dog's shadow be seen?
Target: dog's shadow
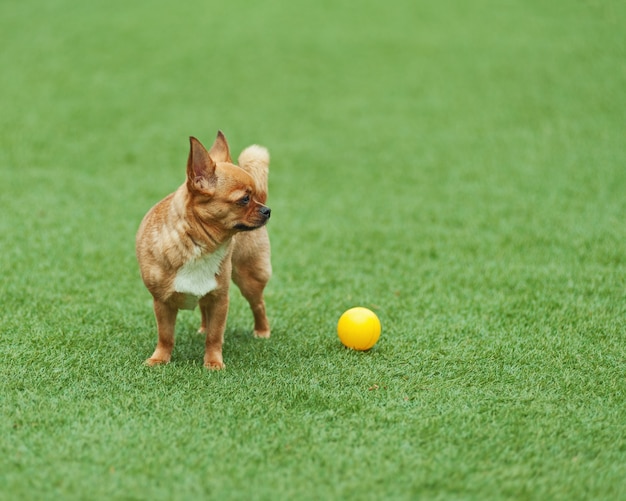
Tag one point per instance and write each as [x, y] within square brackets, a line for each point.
[190, 344]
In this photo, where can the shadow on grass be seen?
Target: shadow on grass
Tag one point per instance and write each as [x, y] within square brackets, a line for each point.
[189, 348]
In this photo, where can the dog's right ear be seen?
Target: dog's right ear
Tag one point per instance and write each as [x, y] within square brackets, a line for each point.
[220, 151]
[200, 168]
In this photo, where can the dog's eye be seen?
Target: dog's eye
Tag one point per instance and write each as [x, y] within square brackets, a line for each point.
[244, 201]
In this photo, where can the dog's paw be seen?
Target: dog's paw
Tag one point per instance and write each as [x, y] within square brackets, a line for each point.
[215, 366]
[262, 334]
[151, 362]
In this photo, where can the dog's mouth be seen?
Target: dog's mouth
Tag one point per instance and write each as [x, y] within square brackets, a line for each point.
[245, 227]
[264, 212]
[250, 227]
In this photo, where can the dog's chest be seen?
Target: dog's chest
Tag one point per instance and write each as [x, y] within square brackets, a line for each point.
[196, 278]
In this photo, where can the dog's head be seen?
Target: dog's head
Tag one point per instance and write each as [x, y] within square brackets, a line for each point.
[222, 195]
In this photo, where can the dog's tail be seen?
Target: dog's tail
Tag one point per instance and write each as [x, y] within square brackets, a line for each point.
[255, 160]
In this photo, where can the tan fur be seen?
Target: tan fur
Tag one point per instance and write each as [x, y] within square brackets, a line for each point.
[213, 225]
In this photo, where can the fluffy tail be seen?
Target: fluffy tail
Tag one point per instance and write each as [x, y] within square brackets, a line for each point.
[255, 160]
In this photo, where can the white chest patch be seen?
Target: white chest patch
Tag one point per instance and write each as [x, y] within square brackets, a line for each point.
[197, 277]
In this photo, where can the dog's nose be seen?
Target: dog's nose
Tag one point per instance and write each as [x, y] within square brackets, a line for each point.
[266, 211]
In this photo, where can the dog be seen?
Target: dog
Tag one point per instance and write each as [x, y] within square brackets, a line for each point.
[211, 229]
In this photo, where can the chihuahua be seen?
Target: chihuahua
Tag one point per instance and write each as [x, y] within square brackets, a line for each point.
[212, 229]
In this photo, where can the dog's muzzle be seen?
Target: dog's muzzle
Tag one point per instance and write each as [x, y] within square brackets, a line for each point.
[265, 211]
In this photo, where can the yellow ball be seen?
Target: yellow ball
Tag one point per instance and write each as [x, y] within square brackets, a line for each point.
[358, 328]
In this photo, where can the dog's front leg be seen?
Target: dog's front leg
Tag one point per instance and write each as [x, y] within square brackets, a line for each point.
[214, 307]
[166, 323]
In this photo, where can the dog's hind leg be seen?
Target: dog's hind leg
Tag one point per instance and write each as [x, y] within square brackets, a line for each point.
[251, 281]
[251, 288]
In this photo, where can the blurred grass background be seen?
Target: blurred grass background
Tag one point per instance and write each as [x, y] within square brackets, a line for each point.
[457, 167]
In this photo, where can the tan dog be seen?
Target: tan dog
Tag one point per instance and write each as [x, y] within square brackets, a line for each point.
[192, 242]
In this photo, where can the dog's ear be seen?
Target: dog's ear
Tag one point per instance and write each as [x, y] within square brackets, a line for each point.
[220, 152]
[200, 168]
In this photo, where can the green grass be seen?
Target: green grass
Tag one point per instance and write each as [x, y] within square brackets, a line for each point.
[458, 167]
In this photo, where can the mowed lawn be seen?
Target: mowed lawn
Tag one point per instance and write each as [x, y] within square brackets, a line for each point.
[457, 167]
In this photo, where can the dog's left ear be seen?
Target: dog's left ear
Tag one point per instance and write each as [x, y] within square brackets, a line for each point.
[220, 152]
[200, 168]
